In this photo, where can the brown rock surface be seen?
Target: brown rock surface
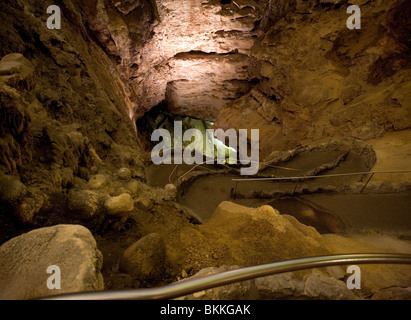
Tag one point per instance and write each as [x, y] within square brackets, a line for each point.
[145, 259]
[24, 261]
[248, 236]
[197, 58]
[320, 79]
[65, 110]
[69, 98]
[119, 205]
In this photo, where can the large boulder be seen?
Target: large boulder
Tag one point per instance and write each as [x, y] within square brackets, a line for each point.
[16, 71]
[84, 205]
[124, 174]
[265, 234]
[242, 236]
[144, 204]
[12, 191]
[279, 286]
[24, 262]
[100, 182]
[320, 286]
[120, 205]
[145, 258]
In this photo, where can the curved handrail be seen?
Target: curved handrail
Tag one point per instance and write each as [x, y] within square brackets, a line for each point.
[322, 176]
[187, 287]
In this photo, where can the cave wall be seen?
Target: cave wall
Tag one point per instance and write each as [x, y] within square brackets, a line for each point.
[65, 107]
[319, 79]
[198, 57]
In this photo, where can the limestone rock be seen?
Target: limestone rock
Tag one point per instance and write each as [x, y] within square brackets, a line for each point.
[84, 205]
[79, 184]
[282, 238]
[319, 286]
[297, 101]
[122, 26]
[277, 10]
[145, 259]
[125, 7]
[31, 205]
[374, 278]
[80, 110]
[211, 75]
[171, 190]
[133, 187]
[192, 67]
[237, 291]
[279, 286]
[119, 205]
[144, 204]
[119, 189]
[124, 174]
[394, 293]
[100, 182]
[17, 71]
[24, 261]
[12, 191]
[14, 123]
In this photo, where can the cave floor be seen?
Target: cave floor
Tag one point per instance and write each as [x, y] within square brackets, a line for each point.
[350, 222]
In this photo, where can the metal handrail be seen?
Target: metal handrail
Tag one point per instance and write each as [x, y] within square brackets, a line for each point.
[187, 287]
[372, 173]
[322, 176]
[267, 163]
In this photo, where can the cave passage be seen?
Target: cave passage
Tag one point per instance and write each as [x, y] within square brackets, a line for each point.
[160, 117]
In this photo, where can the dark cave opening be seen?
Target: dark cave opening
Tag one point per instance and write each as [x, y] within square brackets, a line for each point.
[160, 117]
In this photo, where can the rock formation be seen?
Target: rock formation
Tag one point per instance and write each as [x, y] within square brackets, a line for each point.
[320, 79]
[24, 262]
[65, 108]
[73, 148]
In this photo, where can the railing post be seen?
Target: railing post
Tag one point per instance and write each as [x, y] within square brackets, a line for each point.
[367, 183]
[235, 190]
[295, 189]
[328, 144]
[364, 150]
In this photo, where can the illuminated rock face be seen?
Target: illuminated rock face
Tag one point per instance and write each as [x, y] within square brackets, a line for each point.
[197, 59]
[204, 83]
[319, 79]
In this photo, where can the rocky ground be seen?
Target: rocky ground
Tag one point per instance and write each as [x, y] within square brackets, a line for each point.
[73, 183]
